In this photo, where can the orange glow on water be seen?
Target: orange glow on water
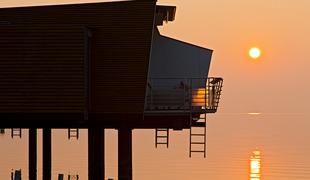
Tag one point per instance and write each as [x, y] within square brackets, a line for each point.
[255, 165]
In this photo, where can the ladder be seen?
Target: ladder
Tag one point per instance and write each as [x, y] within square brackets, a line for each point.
[16, 175]
[73, 177]
[73, 133]
[162, 136]
[16, 132]
[197, 138]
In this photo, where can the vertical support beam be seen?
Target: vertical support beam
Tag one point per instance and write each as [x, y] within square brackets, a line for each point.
[47, 153]
[124, 153]
[32, 152]
[96, 153]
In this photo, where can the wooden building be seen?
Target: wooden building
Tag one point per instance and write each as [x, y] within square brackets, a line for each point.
[97, 66]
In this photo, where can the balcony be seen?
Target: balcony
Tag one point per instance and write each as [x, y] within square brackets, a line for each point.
[174, 95]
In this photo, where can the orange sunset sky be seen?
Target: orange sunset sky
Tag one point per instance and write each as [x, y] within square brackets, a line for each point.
[276, 85]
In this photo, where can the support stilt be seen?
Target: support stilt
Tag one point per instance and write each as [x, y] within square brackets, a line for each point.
[47, 153]
[125, 154]
[96, 153]
[32, 152]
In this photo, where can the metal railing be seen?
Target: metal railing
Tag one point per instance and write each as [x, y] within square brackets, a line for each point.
[194, 94]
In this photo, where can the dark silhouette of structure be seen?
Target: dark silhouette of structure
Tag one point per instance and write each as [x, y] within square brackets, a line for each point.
[98, 66]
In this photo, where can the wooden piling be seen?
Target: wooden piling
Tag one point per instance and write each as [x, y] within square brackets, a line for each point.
[47, 153]
[32, 153]
[125, 153]
[96, 153]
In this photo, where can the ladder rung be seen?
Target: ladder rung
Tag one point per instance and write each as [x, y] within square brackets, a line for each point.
[197, 143]
[198, 151]
[161, 142]
[197, 134]
[161, 130]
[162, 136]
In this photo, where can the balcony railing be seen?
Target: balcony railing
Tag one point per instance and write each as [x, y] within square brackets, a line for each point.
[172, 94]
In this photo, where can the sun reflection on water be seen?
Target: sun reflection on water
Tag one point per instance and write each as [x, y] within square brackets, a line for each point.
[255, 165]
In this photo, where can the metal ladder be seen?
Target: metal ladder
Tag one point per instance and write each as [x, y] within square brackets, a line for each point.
[162, 136]
[73, 177]
[16, 132]
[197, 136]
[73, 133]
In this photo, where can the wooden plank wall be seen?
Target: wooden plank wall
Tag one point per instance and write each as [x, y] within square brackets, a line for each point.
[120, 48]
[42, 69]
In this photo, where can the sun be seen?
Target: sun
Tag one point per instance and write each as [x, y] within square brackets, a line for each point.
[254, 52]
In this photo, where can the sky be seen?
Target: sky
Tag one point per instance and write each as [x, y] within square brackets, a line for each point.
[276, 85]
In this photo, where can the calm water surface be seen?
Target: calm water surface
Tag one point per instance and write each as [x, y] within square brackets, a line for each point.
[282, 139]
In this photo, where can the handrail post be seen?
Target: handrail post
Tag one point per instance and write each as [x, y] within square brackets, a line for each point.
[191, 95]
[151, 94]
[150, 88]
[184, 93]
[207, 86]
